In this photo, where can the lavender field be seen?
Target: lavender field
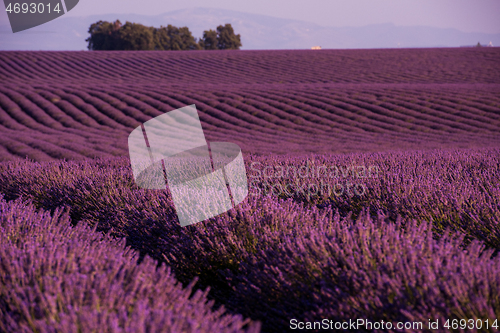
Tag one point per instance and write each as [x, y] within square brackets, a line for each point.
[374, 192]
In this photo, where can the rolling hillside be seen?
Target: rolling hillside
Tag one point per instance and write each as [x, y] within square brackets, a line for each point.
[76, 105]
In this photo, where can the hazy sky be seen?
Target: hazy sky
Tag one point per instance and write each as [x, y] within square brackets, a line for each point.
[464, 15]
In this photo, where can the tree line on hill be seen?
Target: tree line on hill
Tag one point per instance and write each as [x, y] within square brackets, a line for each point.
[134, 36]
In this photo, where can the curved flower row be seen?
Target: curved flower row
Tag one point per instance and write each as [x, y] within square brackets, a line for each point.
[55, 277]
[304, 255]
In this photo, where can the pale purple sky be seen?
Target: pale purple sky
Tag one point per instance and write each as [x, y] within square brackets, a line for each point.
[464, 15]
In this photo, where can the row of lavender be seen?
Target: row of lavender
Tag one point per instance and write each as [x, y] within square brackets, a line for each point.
[379, 109]
[55, 123]
[291, 252]
[59, 278]
[445, 65]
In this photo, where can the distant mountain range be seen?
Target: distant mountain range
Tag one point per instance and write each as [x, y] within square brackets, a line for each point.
[257, 32]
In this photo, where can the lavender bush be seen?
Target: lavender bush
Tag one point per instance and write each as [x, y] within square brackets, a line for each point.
[369, 269]
[271, 258]
[59, 278]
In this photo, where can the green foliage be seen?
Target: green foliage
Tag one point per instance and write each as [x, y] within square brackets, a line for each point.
[104, 35]
[161, 38]
[226, 38]
[223, 38]
[209, 40]
[174, 38]
[134, 36]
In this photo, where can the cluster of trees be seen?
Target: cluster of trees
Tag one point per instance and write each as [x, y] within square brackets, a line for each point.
[134, 36]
